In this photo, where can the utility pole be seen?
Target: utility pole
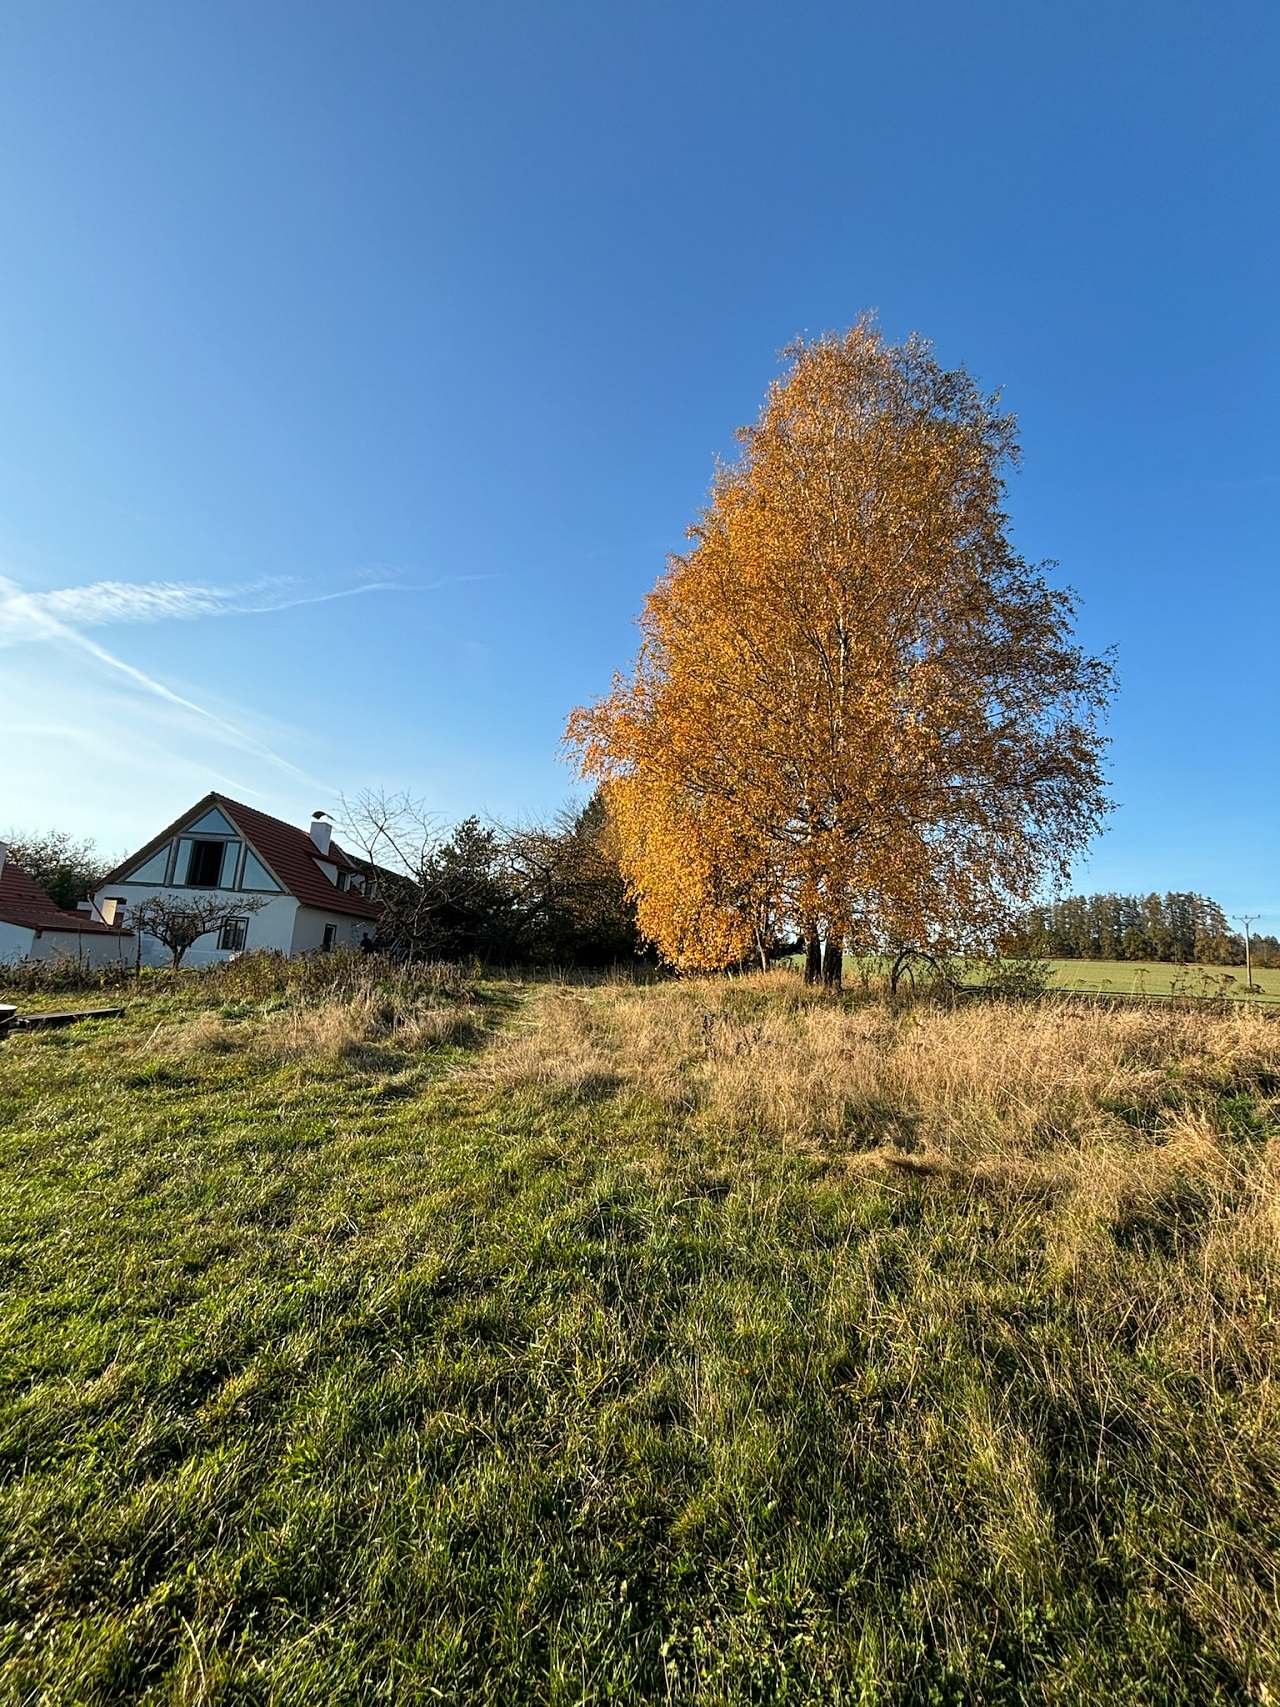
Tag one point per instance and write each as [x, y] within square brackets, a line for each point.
[1245, 920]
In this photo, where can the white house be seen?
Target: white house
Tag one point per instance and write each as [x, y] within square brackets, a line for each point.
[32, 927]
[315, 895]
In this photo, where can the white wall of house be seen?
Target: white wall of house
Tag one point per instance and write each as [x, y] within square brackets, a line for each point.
[271, 928]
[91, 948]
[15, 942]
[308, 930]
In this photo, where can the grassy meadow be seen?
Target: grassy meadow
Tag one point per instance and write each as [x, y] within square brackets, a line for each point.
[1139, 978]
[395, 1337]
[1160, 978]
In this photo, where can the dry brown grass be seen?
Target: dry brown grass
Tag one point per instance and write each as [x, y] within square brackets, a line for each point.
[361, 1028]
[1111, 1124]
[355, 1028]
[1089, 1200]
[763, 1055]
[740, 1344]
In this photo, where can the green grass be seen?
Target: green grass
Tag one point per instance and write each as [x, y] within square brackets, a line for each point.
[1159, 978]
[1122, 977]
[353, 1368]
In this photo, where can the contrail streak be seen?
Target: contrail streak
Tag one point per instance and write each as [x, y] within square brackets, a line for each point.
[50, 628]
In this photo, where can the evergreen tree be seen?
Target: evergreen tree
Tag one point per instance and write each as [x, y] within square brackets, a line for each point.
[1181, 926]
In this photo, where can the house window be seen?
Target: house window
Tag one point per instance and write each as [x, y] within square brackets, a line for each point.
[205, 865]
[330, 936]
[233, 934]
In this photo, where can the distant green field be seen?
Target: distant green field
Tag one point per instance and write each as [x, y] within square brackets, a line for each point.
[1129, 978]
[1159, 978]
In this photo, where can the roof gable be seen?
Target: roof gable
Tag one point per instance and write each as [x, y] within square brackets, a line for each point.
[285, 850]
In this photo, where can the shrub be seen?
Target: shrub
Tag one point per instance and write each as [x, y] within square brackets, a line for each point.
[1025, 975]
[51, 977]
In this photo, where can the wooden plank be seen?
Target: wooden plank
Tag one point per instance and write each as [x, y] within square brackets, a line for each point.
[31, 1022]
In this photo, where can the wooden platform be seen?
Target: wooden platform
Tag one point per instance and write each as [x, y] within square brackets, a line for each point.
[33, 1022]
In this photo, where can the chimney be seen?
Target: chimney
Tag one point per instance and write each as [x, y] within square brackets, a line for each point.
[321, 832]
[4, 854]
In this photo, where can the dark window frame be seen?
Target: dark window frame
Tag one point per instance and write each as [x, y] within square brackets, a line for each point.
[237, 926]
[172, 851]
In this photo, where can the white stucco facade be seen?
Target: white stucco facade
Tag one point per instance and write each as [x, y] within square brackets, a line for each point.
[90, 948]
[15, 942]
[309, 930]
[271, 928]
[281, 926]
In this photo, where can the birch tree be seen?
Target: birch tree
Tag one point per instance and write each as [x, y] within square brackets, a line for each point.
[855, 708]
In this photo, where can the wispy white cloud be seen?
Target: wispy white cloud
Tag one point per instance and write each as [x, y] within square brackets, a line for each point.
[86, 748]
[281, 601]
[27, 616]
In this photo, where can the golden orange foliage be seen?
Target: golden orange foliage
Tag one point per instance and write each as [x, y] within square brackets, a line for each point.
[856, 711]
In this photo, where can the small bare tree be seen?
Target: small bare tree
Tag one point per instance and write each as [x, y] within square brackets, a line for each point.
[396, 838]
[180, 920]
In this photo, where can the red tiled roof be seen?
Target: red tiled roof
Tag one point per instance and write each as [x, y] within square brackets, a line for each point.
[23, 902]
[287, 851]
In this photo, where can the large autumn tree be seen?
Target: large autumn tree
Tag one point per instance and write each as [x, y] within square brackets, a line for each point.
[856, 712]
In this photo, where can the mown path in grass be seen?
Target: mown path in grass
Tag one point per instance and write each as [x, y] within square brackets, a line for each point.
[495, 1370]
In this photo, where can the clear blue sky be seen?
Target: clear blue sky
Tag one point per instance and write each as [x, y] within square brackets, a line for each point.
[437, 316]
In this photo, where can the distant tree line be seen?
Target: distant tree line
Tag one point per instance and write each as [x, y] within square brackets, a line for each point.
[1181, 927]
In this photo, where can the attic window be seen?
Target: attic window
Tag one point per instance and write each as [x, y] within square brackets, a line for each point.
[205, 866]
[212, 824]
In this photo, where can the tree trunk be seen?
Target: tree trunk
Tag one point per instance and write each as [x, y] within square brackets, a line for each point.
[812, 955]
[833, 963]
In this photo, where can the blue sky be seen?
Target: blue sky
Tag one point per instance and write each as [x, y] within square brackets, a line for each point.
[361, 364]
